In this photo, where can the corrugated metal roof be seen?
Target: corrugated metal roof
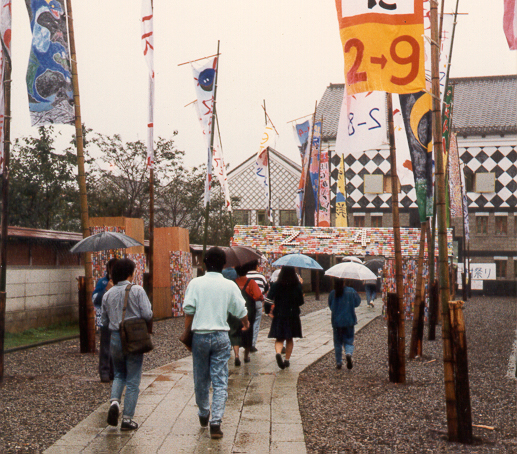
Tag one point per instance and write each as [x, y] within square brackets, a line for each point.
[24, 232]
[485, 105]
[482, 106]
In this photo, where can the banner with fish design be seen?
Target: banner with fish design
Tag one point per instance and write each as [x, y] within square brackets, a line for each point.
[49, 76]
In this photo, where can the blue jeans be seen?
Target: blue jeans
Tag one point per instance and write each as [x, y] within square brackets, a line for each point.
[128, 372]
[371, 292]
[343, 336]
[210, 355]
[256, 324]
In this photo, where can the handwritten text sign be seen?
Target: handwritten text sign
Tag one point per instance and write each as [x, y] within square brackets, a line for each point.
[383, 45]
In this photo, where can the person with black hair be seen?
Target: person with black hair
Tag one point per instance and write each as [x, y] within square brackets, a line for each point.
[128, 367]
[251, 293]
[342, 302]
[287, 296]
[208, 301]
[105, 362]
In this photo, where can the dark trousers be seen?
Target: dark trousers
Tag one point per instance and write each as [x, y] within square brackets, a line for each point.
[105, 361]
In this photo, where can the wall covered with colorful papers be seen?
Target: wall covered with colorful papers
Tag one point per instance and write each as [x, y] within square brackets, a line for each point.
[181, 275]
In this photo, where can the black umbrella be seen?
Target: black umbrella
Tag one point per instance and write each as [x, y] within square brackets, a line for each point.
[374, 264]
[240, 255]
[104, 241]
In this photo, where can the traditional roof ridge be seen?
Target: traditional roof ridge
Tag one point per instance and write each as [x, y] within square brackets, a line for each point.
[275, 153]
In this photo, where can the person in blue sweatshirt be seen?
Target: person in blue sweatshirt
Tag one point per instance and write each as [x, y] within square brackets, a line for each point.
[342, 302]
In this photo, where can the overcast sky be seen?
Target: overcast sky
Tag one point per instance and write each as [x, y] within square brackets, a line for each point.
[284, 52]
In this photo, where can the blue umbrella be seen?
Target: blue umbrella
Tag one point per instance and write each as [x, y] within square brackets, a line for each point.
[298, 261]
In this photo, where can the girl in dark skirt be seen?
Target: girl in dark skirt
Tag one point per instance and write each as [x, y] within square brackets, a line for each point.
[287, 296]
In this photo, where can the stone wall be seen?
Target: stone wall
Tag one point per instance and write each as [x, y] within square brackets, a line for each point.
[40, 296]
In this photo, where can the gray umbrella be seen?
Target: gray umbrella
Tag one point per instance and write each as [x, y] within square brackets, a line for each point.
[104, 241]
[374, 264]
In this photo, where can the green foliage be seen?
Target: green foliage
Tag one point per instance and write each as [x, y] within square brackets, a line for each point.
[43, 189]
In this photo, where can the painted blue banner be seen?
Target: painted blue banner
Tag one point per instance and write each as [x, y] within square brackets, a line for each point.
[49, 77]
[314, 167]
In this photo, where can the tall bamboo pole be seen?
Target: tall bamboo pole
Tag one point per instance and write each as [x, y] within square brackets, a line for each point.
[450, 392]
[151, 190]
[5, 204]
[210, 151]
[401, 375]
[81, 179]
[415, 348]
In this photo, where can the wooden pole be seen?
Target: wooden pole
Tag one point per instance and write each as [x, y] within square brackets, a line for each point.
[417, 332]
[392, 309]
[5, 204]
[210, 151]
[450, 391]
[461, 369]
[82, 181]
[401, 373]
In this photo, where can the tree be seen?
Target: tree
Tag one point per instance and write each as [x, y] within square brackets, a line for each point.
[43, 186]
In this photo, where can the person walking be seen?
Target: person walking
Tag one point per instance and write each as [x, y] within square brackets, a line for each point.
[127, 366]
[342, 302]
[263, 285]
[287, 297]
[208, 301]
[251, 294]
[370, 287]
[106, 372]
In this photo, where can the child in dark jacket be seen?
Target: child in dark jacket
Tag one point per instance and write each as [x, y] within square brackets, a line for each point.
[342, 302]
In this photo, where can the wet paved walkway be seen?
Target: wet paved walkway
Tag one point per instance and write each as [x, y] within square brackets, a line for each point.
[262, 413]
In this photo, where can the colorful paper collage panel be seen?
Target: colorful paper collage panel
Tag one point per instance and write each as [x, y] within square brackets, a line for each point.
[181, 275]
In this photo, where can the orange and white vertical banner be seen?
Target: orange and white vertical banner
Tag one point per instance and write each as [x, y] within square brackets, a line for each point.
[382, 44]
[5, 35]
[262, 165]
[510, 23]
[148, 47]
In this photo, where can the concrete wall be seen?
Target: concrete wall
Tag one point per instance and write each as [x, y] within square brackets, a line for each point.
[40, 296]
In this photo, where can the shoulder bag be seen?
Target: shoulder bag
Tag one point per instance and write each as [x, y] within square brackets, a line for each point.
[134, 333]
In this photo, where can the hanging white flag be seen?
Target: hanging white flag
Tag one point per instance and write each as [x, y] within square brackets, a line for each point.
[362, 123]
[148, 47]
[204, 82]
[220, 172]
[404, 165]
[5, 36]
[262, 165]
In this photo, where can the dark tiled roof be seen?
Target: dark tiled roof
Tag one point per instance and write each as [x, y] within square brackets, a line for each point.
[329, 108]
[482, 106]
[485, 105]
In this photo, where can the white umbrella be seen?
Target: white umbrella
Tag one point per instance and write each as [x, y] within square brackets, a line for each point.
[350, 270]
[351, 258]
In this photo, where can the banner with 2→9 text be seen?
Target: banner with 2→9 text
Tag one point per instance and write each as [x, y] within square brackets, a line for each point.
[383, 45]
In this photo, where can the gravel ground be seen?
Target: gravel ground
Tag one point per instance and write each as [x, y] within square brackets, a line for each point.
[359, 411]
[48, 390]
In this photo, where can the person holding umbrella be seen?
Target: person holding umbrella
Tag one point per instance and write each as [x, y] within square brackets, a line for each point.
[287, 296]
[342, 302]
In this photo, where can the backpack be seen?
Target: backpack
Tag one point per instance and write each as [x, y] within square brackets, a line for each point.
[250, 302]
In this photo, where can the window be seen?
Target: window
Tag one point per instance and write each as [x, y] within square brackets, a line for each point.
[485, 182]
[241, 217]
[481, 225]
[373, 184]
[376, 221]
[501, 225]
[500, 269]
[387, 184]
[469, 180]
[515, 267]
[358, 221]
[288, 217]
[261, 217]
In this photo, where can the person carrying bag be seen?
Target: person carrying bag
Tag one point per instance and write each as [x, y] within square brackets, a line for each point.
[125, 310]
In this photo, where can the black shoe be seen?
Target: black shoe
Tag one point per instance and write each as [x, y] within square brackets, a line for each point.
[349, 363]
[113, 413]
[247, 360]
[287, 363]
[280, 361]
[339, 366]
[203, 420]
[128, 424]
[253, 349]
[237, 362]
[215, 431]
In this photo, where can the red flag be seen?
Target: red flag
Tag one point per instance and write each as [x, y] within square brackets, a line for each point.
[510, 23]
